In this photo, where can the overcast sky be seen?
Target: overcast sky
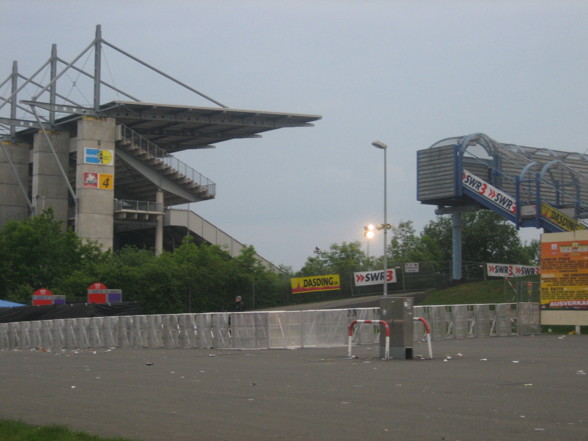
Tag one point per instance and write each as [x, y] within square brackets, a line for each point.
[408, 73]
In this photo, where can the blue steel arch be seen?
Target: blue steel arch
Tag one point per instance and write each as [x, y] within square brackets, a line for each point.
[561, 184]
[524, 169]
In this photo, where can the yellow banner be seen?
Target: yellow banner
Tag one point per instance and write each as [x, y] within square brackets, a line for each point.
[328, 282]
[560, 219]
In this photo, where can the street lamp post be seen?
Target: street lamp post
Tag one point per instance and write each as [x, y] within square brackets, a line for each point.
[381, 145]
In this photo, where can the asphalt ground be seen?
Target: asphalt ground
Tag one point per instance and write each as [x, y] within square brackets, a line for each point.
[502, 388]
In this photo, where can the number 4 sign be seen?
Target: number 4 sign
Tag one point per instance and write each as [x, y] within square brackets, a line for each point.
[106, 181]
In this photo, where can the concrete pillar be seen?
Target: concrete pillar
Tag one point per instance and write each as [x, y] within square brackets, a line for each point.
[49, 187]
[95, 146]
[13, 202]
[159, 226]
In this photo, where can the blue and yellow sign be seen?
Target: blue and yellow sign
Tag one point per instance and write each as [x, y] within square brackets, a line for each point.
[98, 156]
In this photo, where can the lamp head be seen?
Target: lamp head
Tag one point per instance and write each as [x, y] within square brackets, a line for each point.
[380, 145]
[369, 231]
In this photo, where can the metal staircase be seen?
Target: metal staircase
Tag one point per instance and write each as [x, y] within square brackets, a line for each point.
[529, 186]
[145, 165]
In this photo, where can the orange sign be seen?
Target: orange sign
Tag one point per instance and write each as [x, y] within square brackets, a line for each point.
[106, 181]
[564, 275]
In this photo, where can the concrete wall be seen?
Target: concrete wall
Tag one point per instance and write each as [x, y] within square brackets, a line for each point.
[13, 203]
[49, 186]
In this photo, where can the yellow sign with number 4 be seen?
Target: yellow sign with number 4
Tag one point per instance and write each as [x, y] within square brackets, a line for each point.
[106, 181]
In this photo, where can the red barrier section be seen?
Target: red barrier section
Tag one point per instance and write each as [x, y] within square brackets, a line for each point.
[382, 322]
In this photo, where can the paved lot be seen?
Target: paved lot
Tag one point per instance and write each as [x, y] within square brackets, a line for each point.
[512, 388]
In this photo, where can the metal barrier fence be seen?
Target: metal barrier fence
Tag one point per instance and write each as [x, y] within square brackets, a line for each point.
[482, 320]
[262, 330]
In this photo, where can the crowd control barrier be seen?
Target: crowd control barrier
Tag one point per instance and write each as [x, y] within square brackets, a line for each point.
[263, 329]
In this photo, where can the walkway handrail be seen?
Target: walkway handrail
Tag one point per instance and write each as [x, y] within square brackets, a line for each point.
[529, 189]
[133, 205]
[168, 159]
[372, 322]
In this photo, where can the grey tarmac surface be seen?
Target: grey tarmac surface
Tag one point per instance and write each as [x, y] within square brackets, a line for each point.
[507, 388]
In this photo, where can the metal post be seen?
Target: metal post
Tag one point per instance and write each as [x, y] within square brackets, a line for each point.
[97, 66]
[13, 99]
[53, 88]
[385, 228]
[382, 146]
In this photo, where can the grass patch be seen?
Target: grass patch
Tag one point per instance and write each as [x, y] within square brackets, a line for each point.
[18, 431]
[491, 291]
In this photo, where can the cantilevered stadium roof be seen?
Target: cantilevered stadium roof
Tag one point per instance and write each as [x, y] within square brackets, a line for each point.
[175, 127]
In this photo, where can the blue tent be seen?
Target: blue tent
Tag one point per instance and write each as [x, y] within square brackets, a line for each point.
[7, 304]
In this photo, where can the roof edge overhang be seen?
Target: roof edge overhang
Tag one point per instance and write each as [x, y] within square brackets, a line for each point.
[233, 123]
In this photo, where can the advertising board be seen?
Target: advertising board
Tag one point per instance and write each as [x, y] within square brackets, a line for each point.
[330, 282]
[374, 277]
[564, 276]
[511, 270]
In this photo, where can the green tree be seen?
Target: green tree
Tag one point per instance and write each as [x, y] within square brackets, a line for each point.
[203, 273]
[122, 270]
[440, 231]
[36, 253]
[407, 246]
[256, 284]
[404, 241]
[193, 278]
[486, 237]
[338, 259]
[342, 259]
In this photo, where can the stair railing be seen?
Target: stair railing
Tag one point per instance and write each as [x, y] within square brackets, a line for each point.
[156, 152]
